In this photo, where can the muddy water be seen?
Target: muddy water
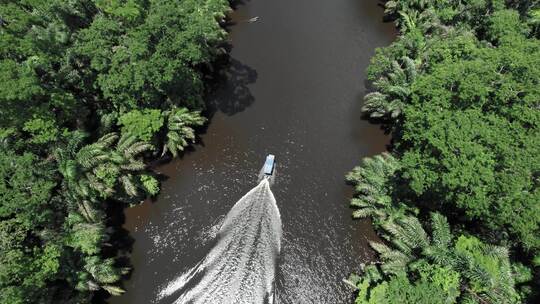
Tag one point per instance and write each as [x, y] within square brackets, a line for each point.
[294, 89]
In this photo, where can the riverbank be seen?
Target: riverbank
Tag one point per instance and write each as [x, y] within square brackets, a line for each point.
[90, 90]
[456, 200]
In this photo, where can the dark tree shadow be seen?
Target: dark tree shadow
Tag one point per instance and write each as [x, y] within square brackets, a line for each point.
[387, 126]
[120, 244]
[236, 3]
[230, 93]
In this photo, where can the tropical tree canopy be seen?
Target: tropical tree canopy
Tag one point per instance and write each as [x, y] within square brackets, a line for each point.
[459, 92]
[90, 91]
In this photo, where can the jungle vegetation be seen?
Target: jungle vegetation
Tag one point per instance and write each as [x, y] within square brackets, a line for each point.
[89, 91]
[457, 200]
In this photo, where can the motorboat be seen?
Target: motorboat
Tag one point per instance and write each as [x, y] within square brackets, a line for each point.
[268, 171]
[268, 168]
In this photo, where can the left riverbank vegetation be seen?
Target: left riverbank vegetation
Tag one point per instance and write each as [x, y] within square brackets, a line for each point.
[456, 201]
[89, 91]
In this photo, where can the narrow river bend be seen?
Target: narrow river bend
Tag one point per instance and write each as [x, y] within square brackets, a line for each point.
[294, 89]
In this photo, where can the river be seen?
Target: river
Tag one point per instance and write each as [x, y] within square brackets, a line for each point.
[294, 88]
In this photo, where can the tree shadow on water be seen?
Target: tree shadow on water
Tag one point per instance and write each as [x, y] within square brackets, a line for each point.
[235, 4]
[119, 245]
[230, 93]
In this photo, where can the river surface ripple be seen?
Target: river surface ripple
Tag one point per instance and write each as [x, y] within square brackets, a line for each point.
[294, 88]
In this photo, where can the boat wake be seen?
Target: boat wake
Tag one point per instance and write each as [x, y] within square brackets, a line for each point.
[241, 267]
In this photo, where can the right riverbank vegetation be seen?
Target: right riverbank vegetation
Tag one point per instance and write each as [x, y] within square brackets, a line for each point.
[456, 201]
[90, 91]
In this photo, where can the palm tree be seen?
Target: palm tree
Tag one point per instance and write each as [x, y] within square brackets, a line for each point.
[111, 161]
[180, 132]
[374, 186]
[125, 158]
[485, 270]
[88, 238]
[83, 182]
[101, 273]
[441, 239]
[411, 14]
[76, 189]
[407, 237]
[86, 205]
[392, 91]
[395, 6]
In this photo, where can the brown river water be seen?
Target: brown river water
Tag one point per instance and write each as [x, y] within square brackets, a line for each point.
[294, 88]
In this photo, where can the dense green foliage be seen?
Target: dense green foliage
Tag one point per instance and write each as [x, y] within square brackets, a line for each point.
[89, 89]
[460, 91]
[426, 265]
[437, 268]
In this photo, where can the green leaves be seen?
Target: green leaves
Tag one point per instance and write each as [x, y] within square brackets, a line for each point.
[441, 234]
[463, 112]
[375, 186]
[479, 162]
[505, 23]
[149, 57]
[87, 238]
[142, 124]
[26, 186]
[180, 124]
[100, 273]
[42, 131]
[128, 10]
[487, 269]
[30, 253]
[89, 88]
[438, 266]
[101, 270]
[109, 163]
[150, 184]
[399, 289]
[392, 91]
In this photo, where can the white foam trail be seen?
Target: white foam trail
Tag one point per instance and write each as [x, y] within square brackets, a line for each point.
[241, 266]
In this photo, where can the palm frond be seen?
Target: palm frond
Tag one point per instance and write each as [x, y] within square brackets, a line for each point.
[441, 235]
[134, 165]
[96, 184]
[394, 267]
[91, 155]
[128, 185]
[113, 290]
[413, 232]
[87, 210]
[137, 148]
[410, 68]
[125, 142]
[108, 140]
[103, 271]
[364, 213]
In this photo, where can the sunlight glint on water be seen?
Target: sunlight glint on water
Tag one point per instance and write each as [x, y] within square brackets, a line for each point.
[241, 266]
